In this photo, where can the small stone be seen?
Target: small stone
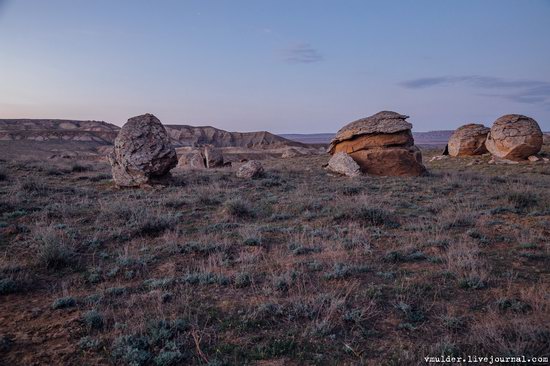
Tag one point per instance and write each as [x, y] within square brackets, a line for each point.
[344, 164]
[533, 158]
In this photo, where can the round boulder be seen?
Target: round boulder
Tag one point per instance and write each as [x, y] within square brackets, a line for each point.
[142, 153]
[514, 137]
[250, 169]
[468, 140]
[381, 144]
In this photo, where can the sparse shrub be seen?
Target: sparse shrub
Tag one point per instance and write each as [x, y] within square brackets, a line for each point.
[33, 187]
[522, 200]
[63, 303]
[54, 249]
[93, 319]
[242, 280]
[3, 175]
[89, 343]
[341, 270]
[239, 208]
[453, 323]
[115, 291]
[168, 358]
[514, 305]
[205, 278]
[8, 286]
[299, 249]
[411, 313]
[132, 350]
[397, 257]
[369, 216]
[158, 283]
[79, 168]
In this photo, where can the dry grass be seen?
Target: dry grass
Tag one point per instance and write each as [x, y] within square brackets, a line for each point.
[297, 267]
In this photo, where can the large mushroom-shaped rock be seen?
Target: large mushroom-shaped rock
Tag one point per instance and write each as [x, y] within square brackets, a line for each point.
[213, 157]
[381, 144]
[468, 140]
[250, 169]
[344, 164]
[514, 137]
[192, 160]
[142, 153]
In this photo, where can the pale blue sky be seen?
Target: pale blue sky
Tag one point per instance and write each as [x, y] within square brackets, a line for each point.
[282, 66]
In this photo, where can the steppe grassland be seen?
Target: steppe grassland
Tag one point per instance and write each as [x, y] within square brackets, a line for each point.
[297, 266]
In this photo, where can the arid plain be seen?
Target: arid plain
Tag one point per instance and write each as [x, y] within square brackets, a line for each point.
[296, 266]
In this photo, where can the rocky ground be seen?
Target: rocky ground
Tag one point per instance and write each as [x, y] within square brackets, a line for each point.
[294, 267]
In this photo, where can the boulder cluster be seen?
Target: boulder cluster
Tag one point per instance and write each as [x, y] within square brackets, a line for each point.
[381, 144]
[207, 157]
[512, 137]
[143, 155]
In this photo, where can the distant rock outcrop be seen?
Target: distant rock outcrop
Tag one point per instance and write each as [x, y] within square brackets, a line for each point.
[468, 140]
[58, 130]
[344, 164]
[183, 135]
[143, 152]
[514, 137]
[381, 144]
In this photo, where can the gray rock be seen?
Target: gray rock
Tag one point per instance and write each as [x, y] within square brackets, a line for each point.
[251, 169]
[213, 156]
[142, 153]
[342, 163]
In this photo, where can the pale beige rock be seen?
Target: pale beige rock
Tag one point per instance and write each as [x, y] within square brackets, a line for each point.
[250, 169]
[533, 158]
[468, 140]
[514, 137]
[192, 160]
[142, 152]
[342, 163]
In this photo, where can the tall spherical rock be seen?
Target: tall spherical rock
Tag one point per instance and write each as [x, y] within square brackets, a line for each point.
[142, 153]
[381, 144]
[514, 137]
[468, 140]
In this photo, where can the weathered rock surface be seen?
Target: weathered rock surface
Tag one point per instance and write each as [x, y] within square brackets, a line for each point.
[395, 161]
[514, 137]
[142, 152]
[381, 144]
[468, 140]
[193, 159]
[250, 169]
[385, 122]
[344, 164]
[213, 157]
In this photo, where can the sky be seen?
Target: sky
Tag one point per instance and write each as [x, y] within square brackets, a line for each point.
[285, 66]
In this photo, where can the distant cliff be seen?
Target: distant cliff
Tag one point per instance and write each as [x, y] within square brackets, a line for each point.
[58, 130]
[183, 135]
[103, 133]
